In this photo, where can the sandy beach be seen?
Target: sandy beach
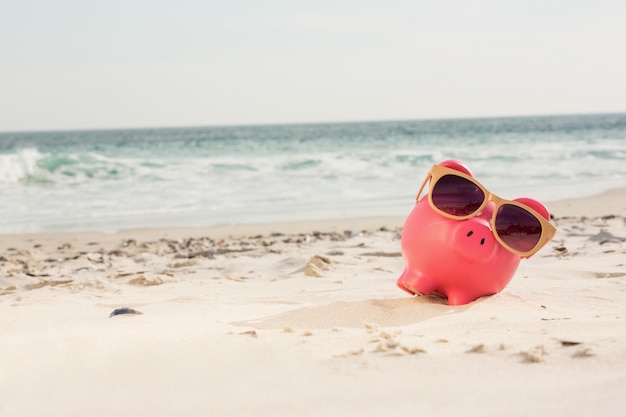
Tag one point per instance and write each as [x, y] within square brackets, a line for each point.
[305, 319]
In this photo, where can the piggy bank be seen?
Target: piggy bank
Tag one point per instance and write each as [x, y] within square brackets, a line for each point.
[457, 253]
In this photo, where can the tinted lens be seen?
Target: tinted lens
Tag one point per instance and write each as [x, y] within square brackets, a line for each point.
[457, 196]
[518, 228]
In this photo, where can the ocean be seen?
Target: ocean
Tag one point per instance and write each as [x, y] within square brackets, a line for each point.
[107, 180]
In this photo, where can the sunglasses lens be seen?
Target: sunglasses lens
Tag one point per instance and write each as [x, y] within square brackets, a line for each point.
[518, 228]
[457, 196]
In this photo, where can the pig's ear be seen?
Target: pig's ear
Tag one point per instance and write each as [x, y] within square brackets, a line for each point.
[535, 205]
[459, 166]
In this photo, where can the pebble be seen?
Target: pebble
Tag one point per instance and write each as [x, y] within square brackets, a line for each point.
[124, 310]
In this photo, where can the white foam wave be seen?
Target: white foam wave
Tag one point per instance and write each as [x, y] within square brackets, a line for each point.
[15, 167]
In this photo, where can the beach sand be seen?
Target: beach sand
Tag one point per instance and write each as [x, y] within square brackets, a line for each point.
[305, 319]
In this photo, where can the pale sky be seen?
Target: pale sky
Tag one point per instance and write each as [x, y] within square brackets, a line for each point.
[155, 63]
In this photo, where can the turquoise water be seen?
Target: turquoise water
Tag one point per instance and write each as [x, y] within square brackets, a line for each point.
[115, 179]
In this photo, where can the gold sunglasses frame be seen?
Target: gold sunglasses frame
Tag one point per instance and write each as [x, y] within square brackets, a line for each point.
[437, 172]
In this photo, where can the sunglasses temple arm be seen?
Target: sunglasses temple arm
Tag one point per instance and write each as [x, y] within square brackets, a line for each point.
[419, 193]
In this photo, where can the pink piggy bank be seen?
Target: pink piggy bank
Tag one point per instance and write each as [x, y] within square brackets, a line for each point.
[463, 242]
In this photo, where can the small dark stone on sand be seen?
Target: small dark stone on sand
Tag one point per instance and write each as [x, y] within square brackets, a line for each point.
[566, 343]
[124, 310]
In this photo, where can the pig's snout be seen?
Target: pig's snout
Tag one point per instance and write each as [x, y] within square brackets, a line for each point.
[474, 240]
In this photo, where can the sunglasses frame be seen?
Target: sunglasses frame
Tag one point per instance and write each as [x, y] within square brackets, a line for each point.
[438, 171]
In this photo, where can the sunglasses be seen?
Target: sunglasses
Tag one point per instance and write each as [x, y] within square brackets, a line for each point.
[517, 227]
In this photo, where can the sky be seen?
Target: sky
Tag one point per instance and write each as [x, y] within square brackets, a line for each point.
[129, 63]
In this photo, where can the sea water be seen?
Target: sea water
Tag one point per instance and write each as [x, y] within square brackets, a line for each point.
[116, 179]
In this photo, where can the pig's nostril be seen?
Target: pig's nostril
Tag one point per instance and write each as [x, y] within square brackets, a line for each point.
[470, 233]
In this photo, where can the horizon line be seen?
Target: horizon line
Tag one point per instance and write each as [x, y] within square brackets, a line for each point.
[310, 123]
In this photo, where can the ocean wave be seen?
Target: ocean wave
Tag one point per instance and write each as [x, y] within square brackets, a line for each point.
[211, 175]
[232, 166]
[83, 167]
[19, 166]
[300, 164]
[30, 166]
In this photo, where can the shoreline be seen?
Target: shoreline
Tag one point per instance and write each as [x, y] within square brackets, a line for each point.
[48, 239]
[610, 203]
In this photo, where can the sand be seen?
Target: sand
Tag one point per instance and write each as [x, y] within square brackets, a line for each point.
[305, 319]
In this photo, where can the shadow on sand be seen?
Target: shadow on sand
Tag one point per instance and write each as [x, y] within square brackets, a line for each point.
[382, 312]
